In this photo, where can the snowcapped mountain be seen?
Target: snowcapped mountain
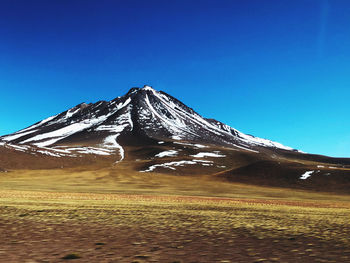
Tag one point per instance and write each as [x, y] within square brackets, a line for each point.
[144, 113]
[150, 131]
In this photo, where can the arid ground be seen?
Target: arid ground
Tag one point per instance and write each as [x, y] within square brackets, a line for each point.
[115, 216]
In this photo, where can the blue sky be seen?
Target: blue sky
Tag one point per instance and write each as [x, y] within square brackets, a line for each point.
[276, 69]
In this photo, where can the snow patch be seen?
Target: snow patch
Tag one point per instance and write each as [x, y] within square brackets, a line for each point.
[17, 147]
[49, 153]
[17, 135]
[168, 165]
[60, 133]
[70, 113]
[191, 144]
[47, 143]
[203, 161]
[169, 153]
[93, 151]
[207, 154]
[200, 145]
[262, 142]
[111, 142]
[306, 175]
[149, 88]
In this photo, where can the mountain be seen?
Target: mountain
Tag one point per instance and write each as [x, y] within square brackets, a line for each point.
[155, 132]
[141, 112]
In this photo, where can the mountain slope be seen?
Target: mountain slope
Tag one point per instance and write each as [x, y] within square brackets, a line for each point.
[152, 131]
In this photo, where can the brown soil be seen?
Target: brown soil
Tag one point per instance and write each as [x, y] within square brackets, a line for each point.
[26, 241]
[93, 233]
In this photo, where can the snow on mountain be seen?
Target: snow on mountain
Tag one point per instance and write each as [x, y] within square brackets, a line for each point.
[169, 153]
[169, 165]
[95, 128]
[306, 175]
[207, 154]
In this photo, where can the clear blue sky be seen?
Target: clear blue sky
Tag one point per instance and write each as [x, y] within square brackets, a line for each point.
[277, 69]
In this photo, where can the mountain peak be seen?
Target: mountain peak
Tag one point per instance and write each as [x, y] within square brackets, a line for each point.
[149, 88]
[144, 88]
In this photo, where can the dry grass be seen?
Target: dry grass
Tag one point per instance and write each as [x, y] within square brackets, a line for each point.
[125, 181]
[294, 218]
[159, 218]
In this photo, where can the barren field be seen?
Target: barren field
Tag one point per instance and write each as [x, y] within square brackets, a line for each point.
[110, 216]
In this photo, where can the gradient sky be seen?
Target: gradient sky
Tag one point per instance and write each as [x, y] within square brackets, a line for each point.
[277, 69]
